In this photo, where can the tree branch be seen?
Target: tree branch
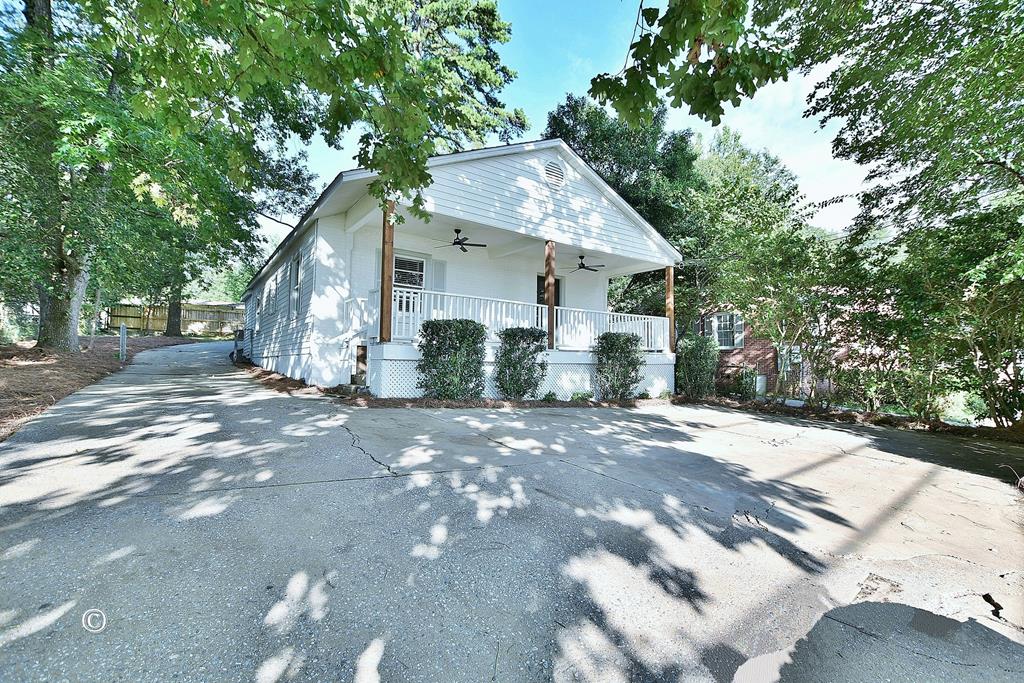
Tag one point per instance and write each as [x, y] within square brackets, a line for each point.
[276, 220]
[1005, 165]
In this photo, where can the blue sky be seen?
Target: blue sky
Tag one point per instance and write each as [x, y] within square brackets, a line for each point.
[557, 46]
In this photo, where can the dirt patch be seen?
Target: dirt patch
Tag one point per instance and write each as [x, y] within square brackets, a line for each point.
[279, 382]
[296, 387]
[854, 417]
[31, 379]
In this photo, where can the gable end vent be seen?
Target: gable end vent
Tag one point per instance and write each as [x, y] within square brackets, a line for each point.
[554, 174]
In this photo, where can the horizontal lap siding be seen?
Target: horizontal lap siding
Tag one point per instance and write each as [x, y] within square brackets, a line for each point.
[510, 192]
[279, 334]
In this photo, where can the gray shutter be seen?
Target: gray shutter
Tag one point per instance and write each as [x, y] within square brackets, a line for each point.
[438, 277]
[740, 328]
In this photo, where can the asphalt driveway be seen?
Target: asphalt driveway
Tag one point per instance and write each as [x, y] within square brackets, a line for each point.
[224, 531]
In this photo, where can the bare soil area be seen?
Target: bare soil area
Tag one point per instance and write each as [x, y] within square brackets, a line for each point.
[32, 379]
[866, 418]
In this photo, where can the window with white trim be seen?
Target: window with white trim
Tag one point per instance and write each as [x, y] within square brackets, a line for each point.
[726, 329]
[295, 278]
[409, 272]
[272, 297]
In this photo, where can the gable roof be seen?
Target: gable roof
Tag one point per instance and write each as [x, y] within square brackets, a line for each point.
[348, 186]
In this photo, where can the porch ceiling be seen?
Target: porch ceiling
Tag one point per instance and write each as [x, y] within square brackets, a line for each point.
[502, 243]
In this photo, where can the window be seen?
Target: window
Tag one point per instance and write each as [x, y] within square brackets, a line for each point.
[295, 276]
[409, 272]
[558, 290]
[726, 329]
[272, 297]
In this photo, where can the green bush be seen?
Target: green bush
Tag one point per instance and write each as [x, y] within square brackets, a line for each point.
[451, 364]
[744, 384]
[619, 363]
[696, 365]
[549, 397]
[580, 396]
[517, 370]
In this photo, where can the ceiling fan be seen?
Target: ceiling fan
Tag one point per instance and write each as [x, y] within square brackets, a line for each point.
[582, 265]
[461, 242]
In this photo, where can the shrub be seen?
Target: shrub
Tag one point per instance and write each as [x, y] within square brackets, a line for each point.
[517, 370]
[451, 365]
[696, 365]
[549, 397]
[744, 384]
[580, 396]
[619, 360]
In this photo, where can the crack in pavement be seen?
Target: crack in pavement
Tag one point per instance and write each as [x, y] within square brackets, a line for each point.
[285, 484]
[355, 444]
[876, 636]
[474, 431]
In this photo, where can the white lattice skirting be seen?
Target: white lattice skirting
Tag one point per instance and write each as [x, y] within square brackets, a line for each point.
[391, 372]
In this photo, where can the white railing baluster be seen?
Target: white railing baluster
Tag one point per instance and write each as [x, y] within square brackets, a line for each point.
[575, 328]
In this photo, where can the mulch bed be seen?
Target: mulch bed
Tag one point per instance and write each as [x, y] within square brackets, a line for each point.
[32, 379]
[865, 418]
[296, 387]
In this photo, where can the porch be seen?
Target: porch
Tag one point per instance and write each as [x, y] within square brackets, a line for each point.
[489, 280]
[575, 329]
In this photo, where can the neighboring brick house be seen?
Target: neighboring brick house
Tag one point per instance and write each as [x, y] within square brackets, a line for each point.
[740, 347]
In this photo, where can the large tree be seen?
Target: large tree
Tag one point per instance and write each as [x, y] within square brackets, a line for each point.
[650, 166]
[108, 99]
[927, 92]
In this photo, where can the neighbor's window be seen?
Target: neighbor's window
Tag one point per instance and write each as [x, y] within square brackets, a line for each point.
[726, 329]
[409, 272]
[295, 276]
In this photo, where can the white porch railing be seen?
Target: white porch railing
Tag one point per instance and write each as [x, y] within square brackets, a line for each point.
[575, 328]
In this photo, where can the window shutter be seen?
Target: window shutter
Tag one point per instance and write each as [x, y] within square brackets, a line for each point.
[376, 269]
[740, 329]
[440, 272]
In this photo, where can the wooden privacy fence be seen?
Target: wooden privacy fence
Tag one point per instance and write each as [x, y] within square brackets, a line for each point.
[195, 318]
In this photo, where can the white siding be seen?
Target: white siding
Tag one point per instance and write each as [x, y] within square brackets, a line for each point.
[510, 192]
[281, 337]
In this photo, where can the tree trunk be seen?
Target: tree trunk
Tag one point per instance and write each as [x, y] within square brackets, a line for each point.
[39, 16]
[95, 316]
[174, 312]
[60, 299]
[58, 328]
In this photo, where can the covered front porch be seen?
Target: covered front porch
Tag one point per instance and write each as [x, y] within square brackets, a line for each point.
[422, 276]
[480, 283]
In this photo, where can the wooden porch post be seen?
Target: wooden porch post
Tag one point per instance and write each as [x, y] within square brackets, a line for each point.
[549, 289]
[670, 306]
[387, 272]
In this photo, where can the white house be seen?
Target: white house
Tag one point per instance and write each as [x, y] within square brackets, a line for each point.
[342, 298]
